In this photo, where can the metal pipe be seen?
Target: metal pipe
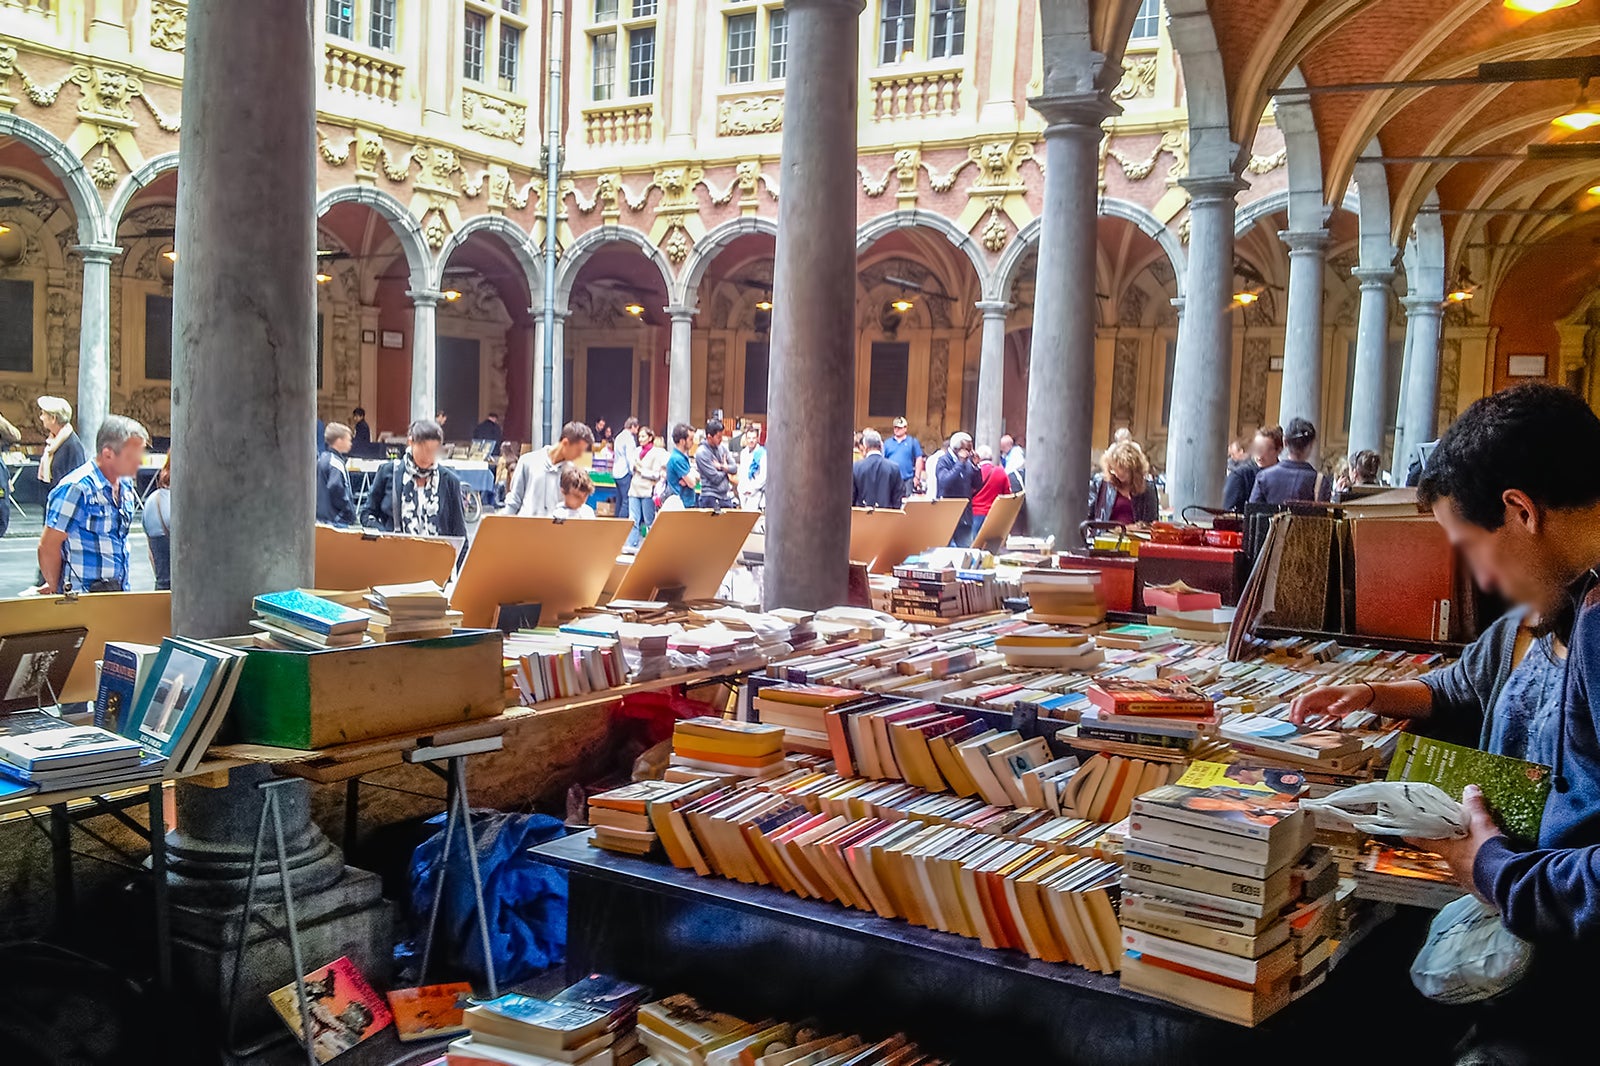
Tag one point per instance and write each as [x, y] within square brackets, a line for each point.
[556, 41]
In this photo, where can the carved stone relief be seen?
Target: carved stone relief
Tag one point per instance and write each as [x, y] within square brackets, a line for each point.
[938, 381]
[1125, 381]
[493, 116]
[750, 114]
[1130, 312]
[716, 372]
[168, 23]
[1256, 364]
[1138, 78]
[1449, 381]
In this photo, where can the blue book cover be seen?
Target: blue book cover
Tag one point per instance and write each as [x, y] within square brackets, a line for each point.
[311, 612]
[174, 695]
[120, 670]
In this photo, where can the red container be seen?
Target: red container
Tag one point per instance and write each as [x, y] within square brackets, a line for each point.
[1117, 576]
[1169, 533]
[1224, 538]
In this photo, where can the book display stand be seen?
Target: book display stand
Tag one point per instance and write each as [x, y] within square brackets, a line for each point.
[998, 522]
[144, 617]
[690, 551]
[348, 559]
[458, 819]
[885, 539]
[560, 565]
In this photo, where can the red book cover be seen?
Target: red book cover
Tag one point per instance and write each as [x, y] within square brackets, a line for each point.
[344, 1009]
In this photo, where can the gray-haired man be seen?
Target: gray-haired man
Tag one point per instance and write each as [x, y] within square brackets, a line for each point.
[84, 545]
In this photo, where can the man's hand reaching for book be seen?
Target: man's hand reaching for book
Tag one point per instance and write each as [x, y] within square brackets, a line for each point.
[1462, 852]
[1337, 700]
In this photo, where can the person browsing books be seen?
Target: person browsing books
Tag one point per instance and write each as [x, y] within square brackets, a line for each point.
[1241, 478]
[1122, 491]
[360, 428]
[157, 520]
[995, 484]
[1531, 532]
[536, 483]
[416, 494]
[905, 452]
[956, 476]
[84, 545]
[1293, 478]
[752, 471]
[876, 481]
[335, 502]
[576, 489]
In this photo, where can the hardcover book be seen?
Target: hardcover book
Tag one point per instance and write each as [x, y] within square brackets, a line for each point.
[311, 612]
[34, 667]
[343, 1008]
[124, 666]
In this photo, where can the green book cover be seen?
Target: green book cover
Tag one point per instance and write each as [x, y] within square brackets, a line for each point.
[1515, 790]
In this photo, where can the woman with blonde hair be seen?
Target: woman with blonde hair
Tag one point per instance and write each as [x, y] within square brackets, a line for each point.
[1122, 491]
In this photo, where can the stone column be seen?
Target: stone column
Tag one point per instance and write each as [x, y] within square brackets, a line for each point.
[1302, 342]
[424, 352]
[243, 392]
[94, 341]
[557, 376]
[1423, 317]
[1369, 418]
[1061, 362]
[1197, 435]
[992, 374]
[813, 370]
[680, 374]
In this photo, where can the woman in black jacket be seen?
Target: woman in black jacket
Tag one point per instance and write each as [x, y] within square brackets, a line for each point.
[416, 494]
[1122, 491]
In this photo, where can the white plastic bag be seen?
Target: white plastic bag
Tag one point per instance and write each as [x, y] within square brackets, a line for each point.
[1469, 956]
[1394, 808]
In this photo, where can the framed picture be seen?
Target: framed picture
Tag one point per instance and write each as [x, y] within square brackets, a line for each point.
[393, 338]
[369, 336]
[1525, 366]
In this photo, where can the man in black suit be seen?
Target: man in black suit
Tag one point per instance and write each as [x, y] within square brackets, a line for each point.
[877, 480]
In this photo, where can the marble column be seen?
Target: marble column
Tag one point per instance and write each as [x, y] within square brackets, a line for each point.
[1397, 404]
[1202, 386]
[547, 427]
[680, 374]
[243, 411]
[992, 374]
[1061, 378]
[94, 341]
[1423, 318]
[812, 378]
[1302, 343]
[424, 352]
[1369, 416]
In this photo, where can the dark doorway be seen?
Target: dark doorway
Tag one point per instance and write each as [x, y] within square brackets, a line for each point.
[608, 387]
[457, 386]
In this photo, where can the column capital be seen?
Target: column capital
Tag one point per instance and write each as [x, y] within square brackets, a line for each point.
[1373, 277]
[1418, 304]
[560, 316]
[1304, 242]
[994, 308]
[1212, 188]
[1074, 112]
[96, 253]
[425, 297]
[681, 312]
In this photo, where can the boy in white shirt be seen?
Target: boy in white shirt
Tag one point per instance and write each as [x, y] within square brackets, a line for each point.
[575, 490]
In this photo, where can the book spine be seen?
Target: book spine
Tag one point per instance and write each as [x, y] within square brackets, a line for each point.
[1213, 962]
[1200, 879]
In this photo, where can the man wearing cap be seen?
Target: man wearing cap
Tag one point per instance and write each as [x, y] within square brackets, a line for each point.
[63, 451]
[905, 451]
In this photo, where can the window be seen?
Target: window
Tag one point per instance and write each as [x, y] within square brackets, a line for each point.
[741, 48]
[605, 10]
[757, 357]
[1147, 24]
[641, 8]
[947, 33]
[511, 7]
[380, 25]
[510, 54]
[16, 340]
[604, 47]
[886, 387]
[157, 338]
[642, 61]
[474, 36]
[777, 44]
[341, 18]
[899, 31]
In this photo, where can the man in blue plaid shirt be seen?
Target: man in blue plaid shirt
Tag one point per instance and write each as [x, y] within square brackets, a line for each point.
[84, 546]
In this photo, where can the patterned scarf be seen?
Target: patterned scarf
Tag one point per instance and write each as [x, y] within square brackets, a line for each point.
[419, 504]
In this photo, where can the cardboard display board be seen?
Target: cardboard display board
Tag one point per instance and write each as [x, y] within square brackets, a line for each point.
[884, 539]
[694, 549]
[348, 559]
[998, 522]
[559, 565]
[140, 617]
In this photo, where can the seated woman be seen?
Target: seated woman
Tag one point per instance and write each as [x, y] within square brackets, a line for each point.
[1122, 491]
[1503, 695]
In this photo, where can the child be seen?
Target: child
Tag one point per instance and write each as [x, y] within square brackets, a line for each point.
[575, 490]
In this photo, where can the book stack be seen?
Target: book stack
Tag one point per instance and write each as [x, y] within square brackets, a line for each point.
[1135, 637]
[621, 818]
[924, 592]
[1317, 744]
[1168, 721]
[679, 1031]
[802, 628]
[802, 711]
[712, 647]
[181, 695]
[297, 620]
[518, 1030]
[1207, 880]
[415, 611]
[547, 664]
[1190, 613]
[1064, 597]
[69, 758]
[735, 749]
[1048, 647]
[1405, 875]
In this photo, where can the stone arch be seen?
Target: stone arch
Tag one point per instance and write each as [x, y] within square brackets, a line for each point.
[709, 247]
[134, 183]
[1303, 158]
[1212, 151]
[407, 230]
[1256, 210]
[69, 170]
[528, 254]
[1027, 241]
[883, 225]
[1004, 275]
[592, 241]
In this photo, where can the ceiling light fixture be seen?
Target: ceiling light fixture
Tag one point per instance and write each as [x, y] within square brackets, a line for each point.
[1583, 115]
[1594, 190]
[764, 305]
[1246, 298]
[634, 309]
[1458, 296]
[902, 305]
[170, 255]
[4, 228]
[1462, 292]
[323, 278]
[451, 295]
[1536, 7]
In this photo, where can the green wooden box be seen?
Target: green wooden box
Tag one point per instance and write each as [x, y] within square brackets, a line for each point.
[317, 699]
